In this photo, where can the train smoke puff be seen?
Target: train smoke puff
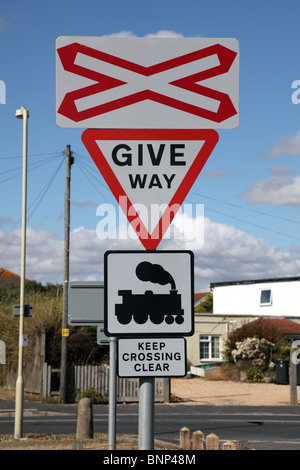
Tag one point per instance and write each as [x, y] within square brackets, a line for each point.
[155, 273]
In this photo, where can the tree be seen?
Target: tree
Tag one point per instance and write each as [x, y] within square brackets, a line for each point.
[206, 305]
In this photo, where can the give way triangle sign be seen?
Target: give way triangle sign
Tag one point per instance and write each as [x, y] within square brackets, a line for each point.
[150, 172]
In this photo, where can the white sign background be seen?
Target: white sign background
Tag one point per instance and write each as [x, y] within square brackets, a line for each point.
[147, 113]
[148, 196]
[120, 274]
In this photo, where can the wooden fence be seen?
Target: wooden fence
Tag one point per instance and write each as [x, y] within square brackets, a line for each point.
[88, 377]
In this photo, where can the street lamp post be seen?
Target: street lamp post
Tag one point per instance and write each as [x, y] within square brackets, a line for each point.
[22, 114]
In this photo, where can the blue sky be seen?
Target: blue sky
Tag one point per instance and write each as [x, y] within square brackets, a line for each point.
[250, 186]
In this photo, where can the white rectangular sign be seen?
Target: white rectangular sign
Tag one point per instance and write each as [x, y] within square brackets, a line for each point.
[147, 83]
[152, 357]
[148, 293]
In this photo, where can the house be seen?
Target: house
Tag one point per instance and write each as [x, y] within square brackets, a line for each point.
[199, 297]
[8, 278]
[263, 297]
[288, 328]
[238, 302]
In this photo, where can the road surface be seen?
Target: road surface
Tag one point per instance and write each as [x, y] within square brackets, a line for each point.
[264, 427]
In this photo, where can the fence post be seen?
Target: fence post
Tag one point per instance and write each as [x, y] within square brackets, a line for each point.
[242, 444]
[212, 442]
[198, 440]
[185, 438]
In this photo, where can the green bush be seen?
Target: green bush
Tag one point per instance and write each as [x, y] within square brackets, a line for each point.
[254, 374]
[47, 307]
[94, 395]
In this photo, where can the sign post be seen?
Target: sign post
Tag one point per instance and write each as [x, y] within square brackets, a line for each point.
[132, 312]
[146, 413]
[172, 94]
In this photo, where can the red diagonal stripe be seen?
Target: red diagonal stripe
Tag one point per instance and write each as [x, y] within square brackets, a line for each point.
[68, 54]
[68, 108]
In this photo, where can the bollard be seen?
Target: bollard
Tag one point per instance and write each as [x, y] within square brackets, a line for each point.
[212, 442]
[185, 438]
[85, 429]
[229, 446]
[198, 440]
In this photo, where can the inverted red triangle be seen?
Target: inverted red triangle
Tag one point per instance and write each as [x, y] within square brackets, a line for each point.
[92, 139]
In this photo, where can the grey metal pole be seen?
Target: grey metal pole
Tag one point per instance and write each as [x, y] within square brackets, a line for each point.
[112, 403]
[293, 378]
[23, 114]
[146, 413]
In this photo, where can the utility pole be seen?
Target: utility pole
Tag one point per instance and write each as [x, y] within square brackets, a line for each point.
[65, 332]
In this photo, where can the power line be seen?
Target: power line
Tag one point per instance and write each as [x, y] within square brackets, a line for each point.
[29, 156]
[37, 202]
[247, 208]
[253, 224]
[87, 173]
[31, 167]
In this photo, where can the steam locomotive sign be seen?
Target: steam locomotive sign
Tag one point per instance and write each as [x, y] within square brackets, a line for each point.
[148, 293]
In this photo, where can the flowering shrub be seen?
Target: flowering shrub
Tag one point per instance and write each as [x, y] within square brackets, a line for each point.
[254, 374]
[256, 349]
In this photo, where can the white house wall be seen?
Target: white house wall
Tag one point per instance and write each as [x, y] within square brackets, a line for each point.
[244, 299]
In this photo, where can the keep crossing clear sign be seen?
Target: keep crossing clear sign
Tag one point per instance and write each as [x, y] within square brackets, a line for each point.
[152, 357]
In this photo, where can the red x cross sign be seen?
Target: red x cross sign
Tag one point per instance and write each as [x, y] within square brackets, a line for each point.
[135, 83]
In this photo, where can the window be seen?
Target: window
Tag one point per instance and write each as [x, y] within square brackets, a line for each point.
[266, 297]
[210, 347]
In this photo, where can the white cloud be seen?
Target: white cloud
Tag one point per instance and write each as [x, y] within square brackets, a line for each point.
[227, 254]
[275, 190]
[159, 34]
[213, 173]
[282, 170]
[164, 34]
[123, 34]
[284, 146]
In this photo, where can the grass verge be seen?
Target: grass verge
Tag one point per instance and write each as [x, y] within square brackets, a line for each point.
[68, 442]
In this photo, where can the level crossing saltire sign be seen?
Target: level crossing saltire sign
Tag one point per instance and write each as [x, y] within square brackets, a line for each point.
[147, 83]
[149, 293]
[150, 172]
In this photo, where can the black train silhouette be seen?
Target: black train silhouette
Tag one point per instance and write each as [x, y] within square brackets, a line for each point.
[155, 307]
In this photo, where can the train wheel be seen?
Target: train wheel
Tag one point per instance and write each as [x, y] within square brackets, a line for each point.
[140, 318]
[169, 319]
[179, 319]
[124, 319]
[157, 318]
[122, 315]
